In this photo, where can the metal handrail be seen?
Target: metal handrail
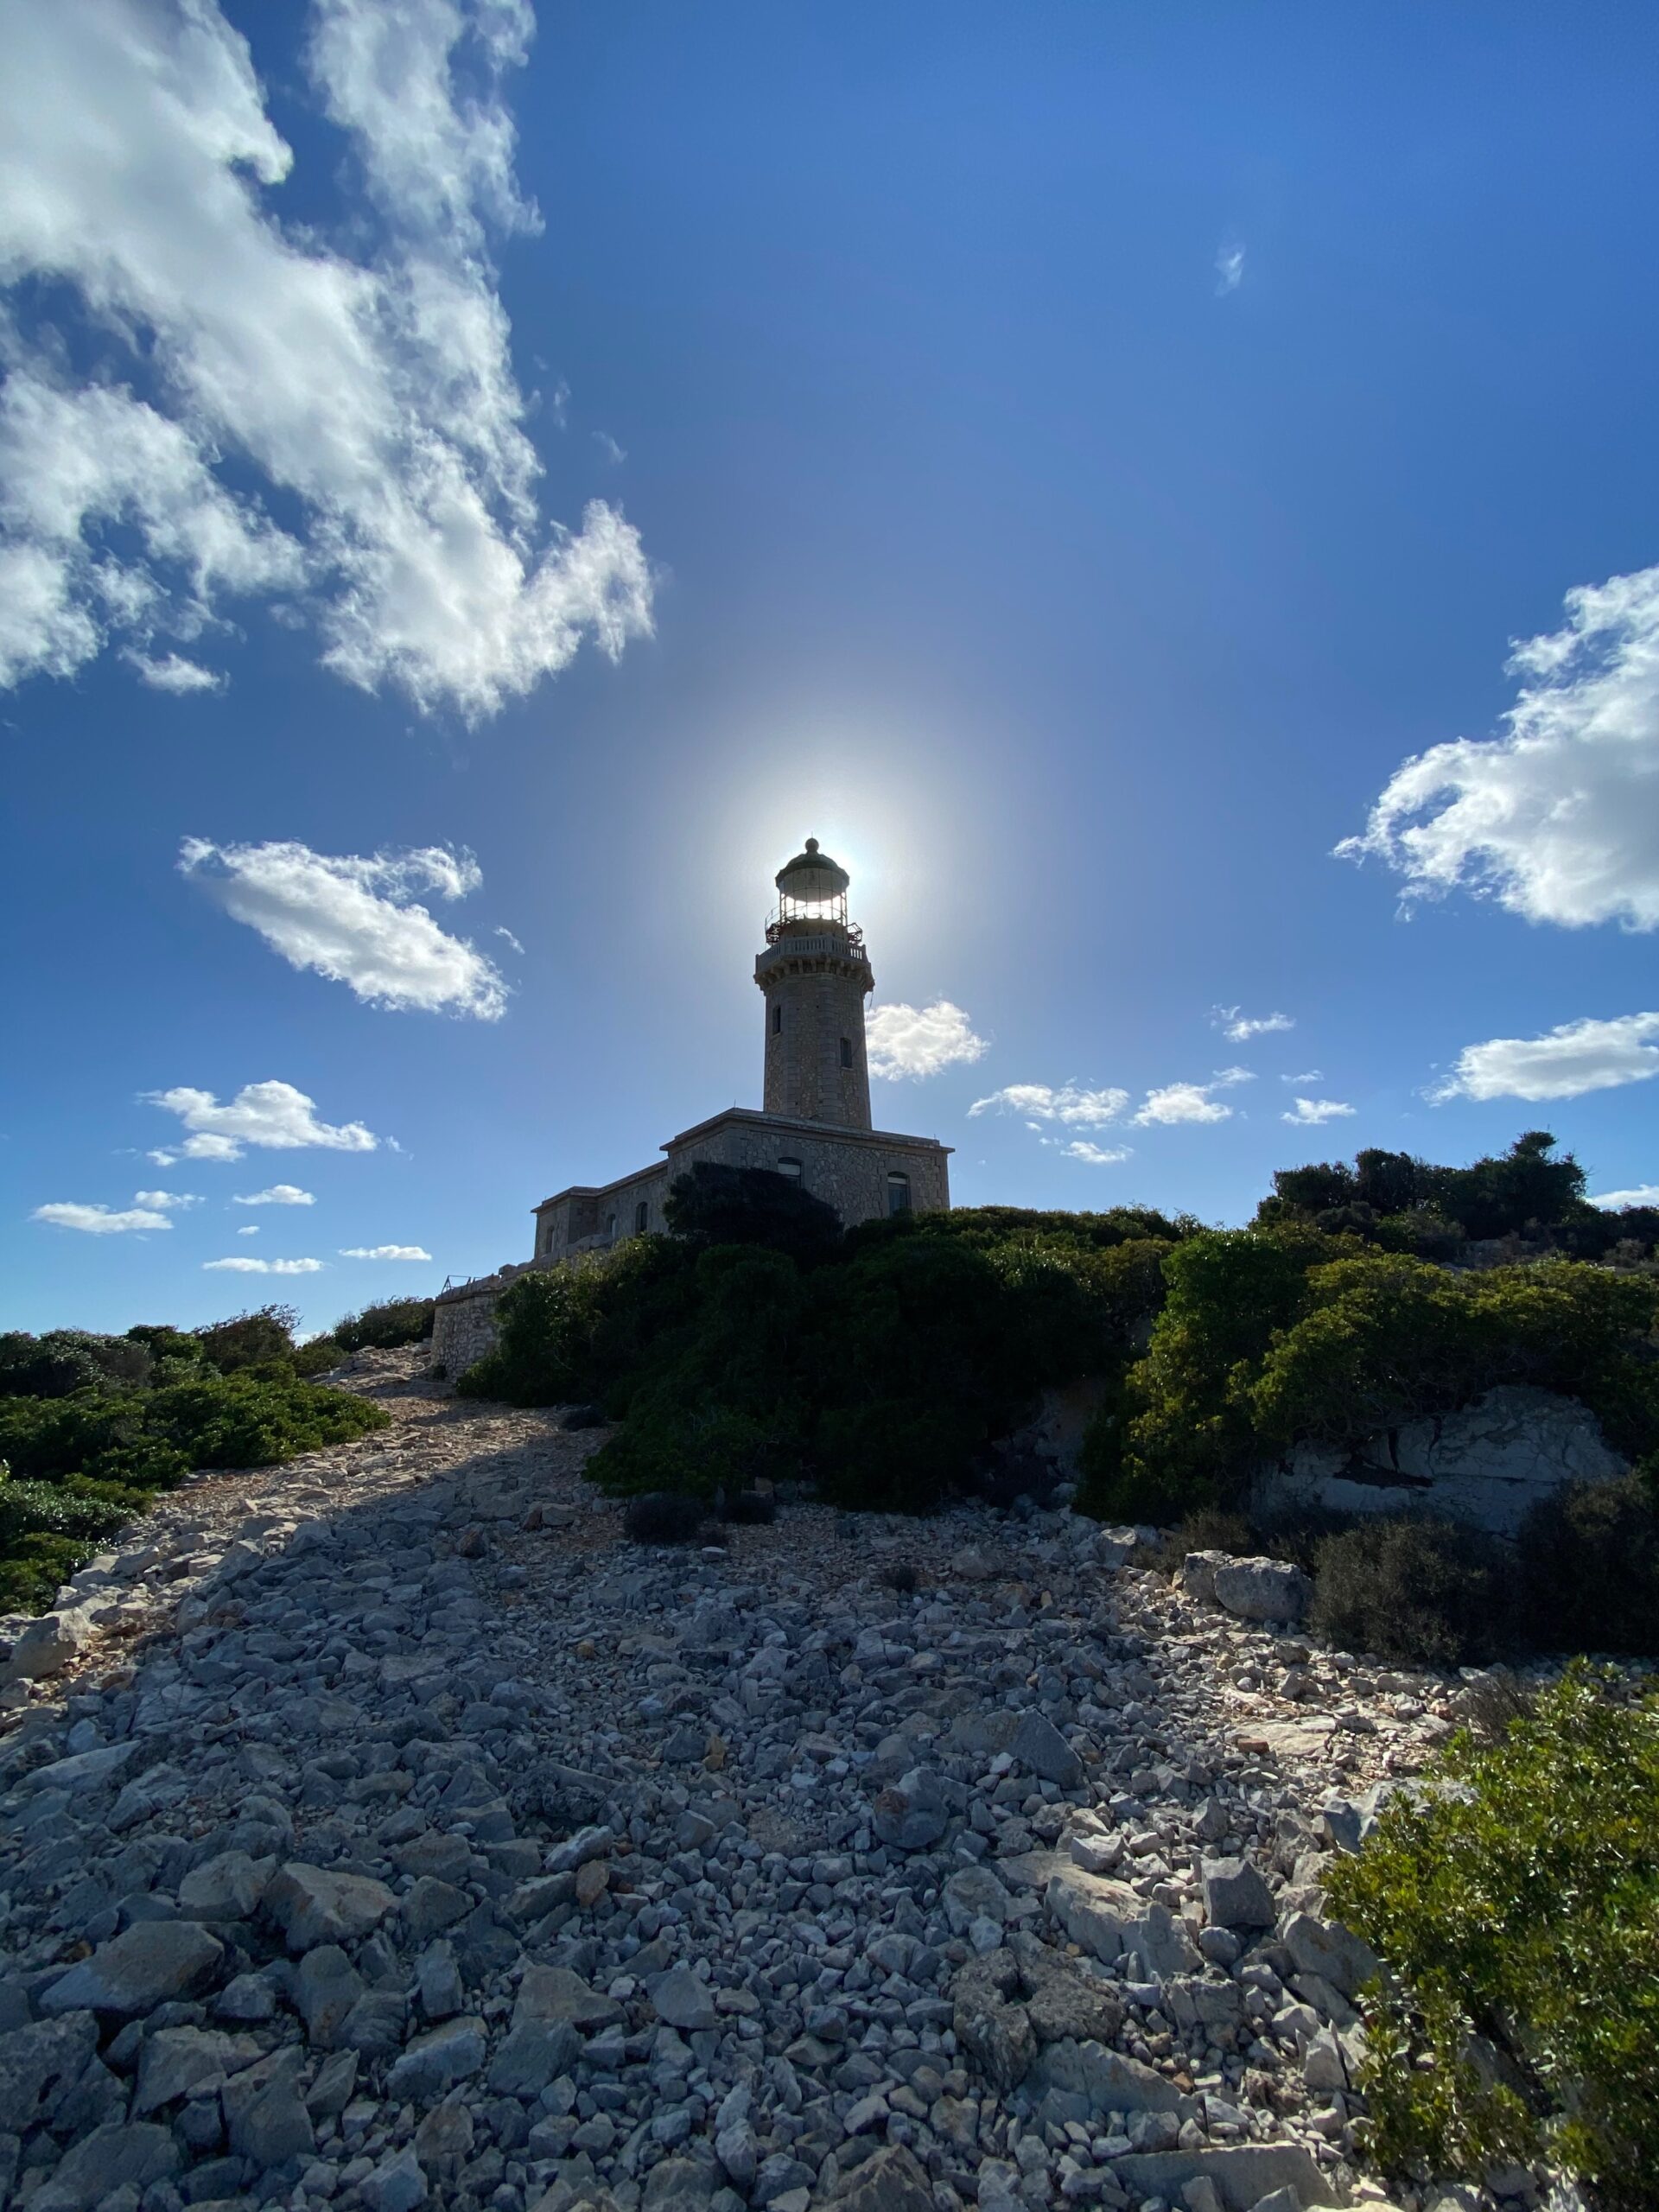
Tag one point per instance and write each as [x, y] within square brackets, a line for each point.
[850, 931]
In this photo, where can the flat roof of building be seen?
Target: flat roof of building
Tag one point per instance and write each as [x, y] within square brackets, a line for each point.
[832, 1130]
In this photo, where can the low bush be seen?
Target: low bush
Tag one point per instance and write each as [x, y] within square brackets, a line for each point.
[748, 1509]
[1515, 1910]
[664, 1517]
[1589, 1561]
[63, 1361]
[393, 1322]
[255, 1340]
[317, 1355]
[1420, 1591]
[82, 1465]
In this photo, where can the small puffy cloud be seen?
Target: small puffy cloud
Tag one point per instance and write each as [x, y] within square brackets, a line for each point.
[241, 1264]
[385, 1252]
[1230, 270]
[273, 1115]
[1308, 1075]
[1557, 818]
[1182, 1101]
[279, 1194]
[1640, 1194]
[172, 672]
[1041, 1102]
[908, 1041]
[1238, 1028]
[1564, 1063]
[166, 1201]
[1310, 1112]
[252, 1230]
[1096, 1155]
[100, 1221]
[357, 920]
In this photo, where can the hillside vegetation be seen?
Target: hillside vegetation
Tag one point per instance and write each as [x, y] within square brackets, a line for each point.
[92, 1427]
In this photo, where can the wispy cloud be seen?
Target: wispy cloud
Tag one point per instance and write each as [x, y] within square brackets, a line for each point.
[356, 920]
[1308, 1075]
[1237, 1027]
[1310, 1112]
[278, 1194]
[241, 1264]
[98, 1220]
[166, 1201]
[173, 672]
[912, 1041]
[1230, 270]
[1041, 1102]
[512, 941]
[273, 1116]
[360, 381]
[1095, 1155]
[1564, 1063]
[1557, 818]
[384, 1252]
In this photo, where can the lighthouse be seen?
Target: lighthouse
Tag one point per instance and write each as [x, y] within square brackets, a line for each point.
[815, 976]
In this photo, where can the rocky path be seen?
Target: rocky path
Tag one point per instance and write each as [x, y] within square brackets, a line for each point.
[390, 1830]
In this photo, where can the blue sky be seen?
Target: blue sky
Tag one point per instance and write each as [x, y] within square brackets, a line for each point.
[463, 474]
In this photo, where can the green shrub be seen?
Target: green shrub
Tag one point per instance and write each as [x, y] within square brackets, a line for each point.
[1516, 1913]
[663, 1518]
[1420, 1592]
[249, 1339]
[1272, 1335]
[1589, 1561]
[394, 1321]
[317, 1355]
[63, 1361]
[715, 1204]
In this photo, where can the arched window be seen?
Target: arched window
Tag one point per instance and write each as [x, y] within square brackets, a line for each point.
[846, 1051]
[897, 1191]
[610, 1224]
[641, 1216]
[791, 1168]
[777, 1017]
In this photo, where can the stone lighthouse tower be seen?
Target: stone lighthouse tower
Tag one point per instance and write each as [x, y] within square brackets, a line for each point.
[816, 978]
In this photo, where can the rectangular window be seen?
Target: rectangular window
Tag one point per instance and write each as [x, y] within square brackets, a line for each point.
[898, 1193]
[846, 1051]
[778, 1018]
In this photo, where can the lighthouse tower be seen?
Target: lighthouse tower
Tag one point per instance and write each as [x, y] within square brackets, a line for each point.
[815, 977]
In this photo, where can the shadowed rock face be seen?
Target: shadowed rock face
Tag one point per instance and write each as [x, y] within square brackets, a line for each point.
[1485, 1465]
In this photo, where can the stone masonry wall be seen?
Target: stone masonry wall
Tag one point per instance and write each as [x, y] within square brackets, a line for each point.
[804, 1077]
[849, 1172]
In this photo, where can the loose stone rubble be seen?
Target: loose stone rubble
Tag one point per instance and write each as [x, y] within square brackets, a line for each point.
[389, 1831]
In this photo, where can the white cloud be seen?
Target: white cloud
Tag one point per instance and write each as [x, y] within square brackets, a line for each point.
[1230, 270]
[1182, 1101]
[173, 672]
[501, 931]
[161, 1157]
[241, 1265]
[99, 1221]
[252, 1230]
[364, 382]
[910, 1041]
[1308, 1075]
[1237, 1027]
[278, 1194]
[384, 1252]
[355, 920]
[1310, 1112]
[1564, 1063]
[166, 1201]
[1559, 818]
[1040, 1101]
[1096, 1155]
[273, 1115]
[1640, 1194]
[609, 449]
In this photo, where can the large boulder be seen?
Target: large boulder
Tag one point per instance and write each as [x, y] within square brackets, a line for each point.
[315, 1904]
[1485, 1465]
[150, 1963]
[1262, 1589]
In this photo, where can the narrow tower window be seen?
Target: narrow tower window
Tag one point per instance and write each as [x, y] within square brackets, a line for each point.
[898, 1193]
[610, 1224]
[641, 1216]
[777, 1017]
[846, 1051]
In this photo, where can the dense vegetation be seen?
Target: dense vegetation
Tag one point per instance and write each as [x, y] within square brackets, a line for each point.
[1514, 1906]
[394, 1321]
[92, 1426]
[757, 1340]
